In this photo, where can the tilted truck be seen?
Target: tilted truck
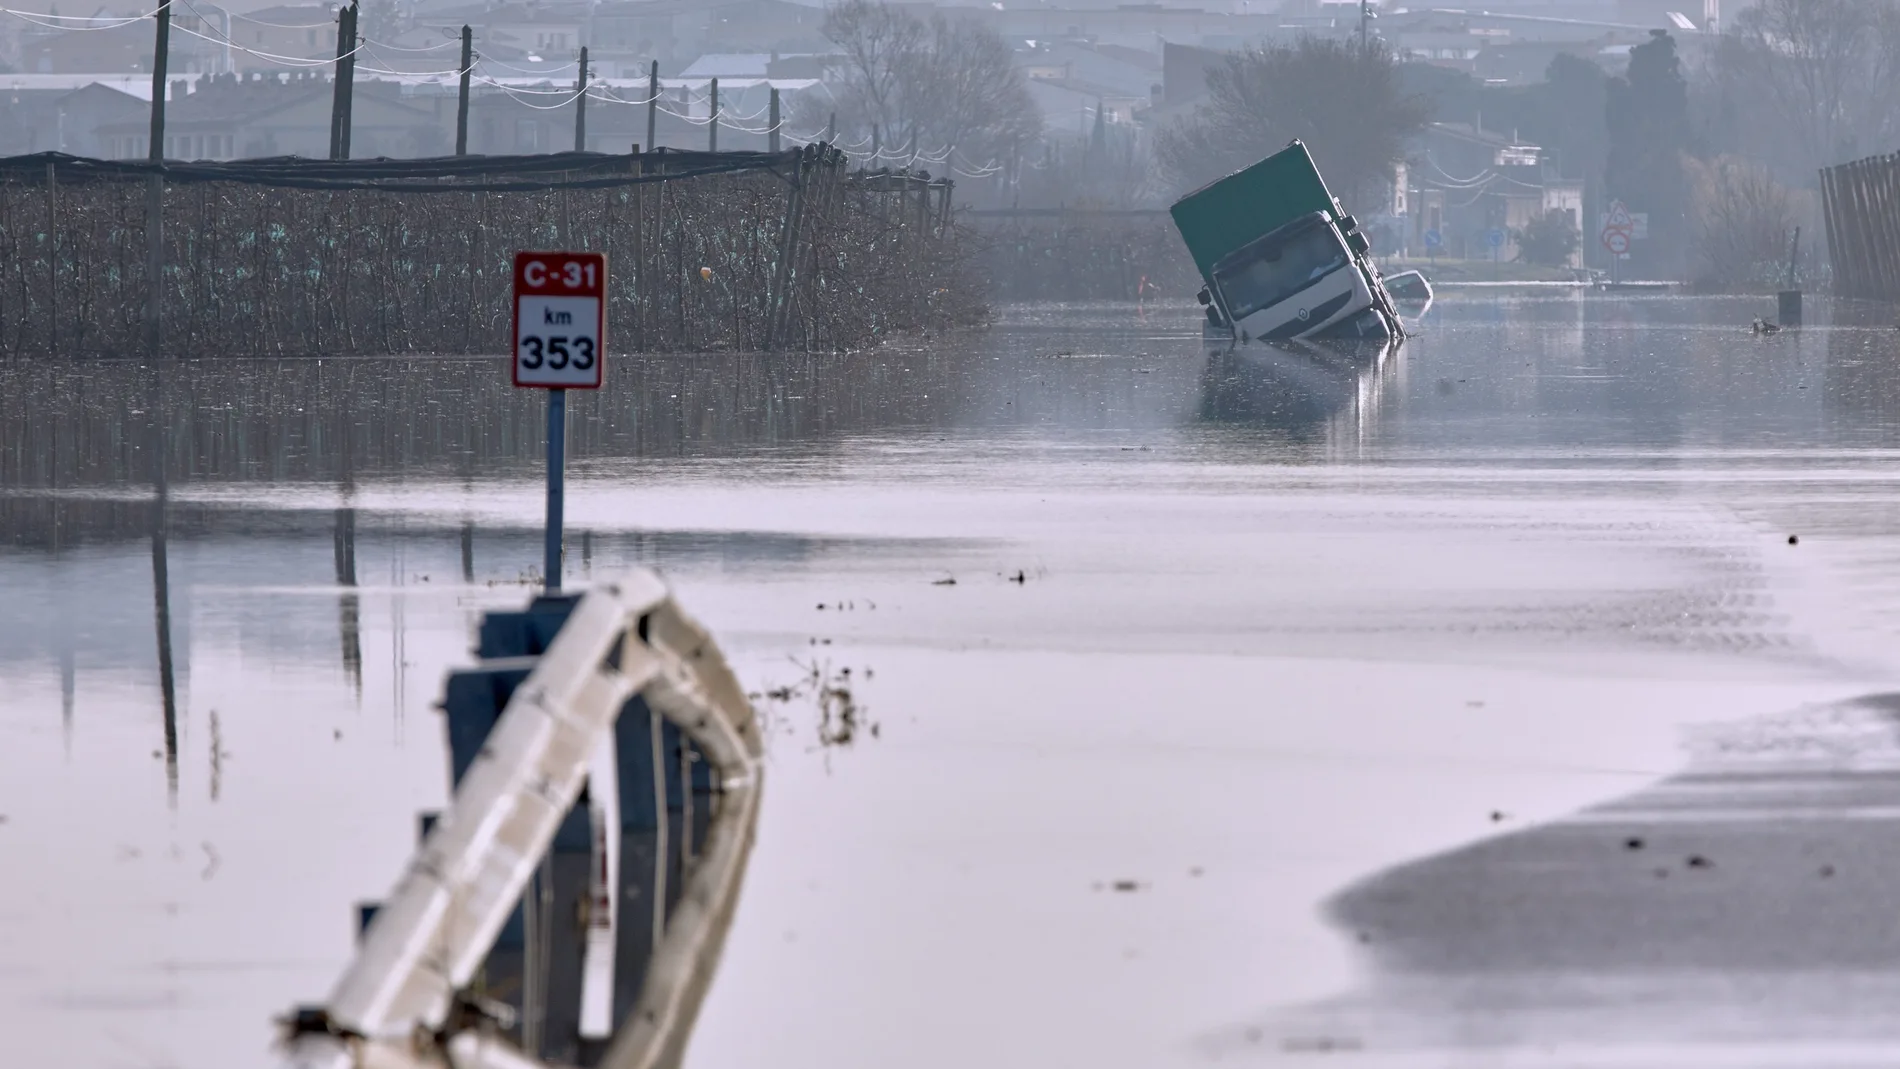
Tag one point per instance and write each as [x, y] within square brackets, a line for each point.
[1281, 258]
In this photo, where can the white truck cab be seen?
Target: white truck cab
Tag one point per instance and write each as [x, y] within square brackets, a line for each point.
[1302, 280]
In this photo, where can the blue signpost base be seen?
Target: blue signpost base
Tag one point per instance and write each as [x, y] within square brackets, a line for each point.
[557, 464]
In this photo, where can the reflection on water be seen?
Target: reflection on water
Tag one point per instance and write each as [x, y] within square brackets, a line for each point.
[1328, 393]
[348, 607]
[100, 451]
[161, 592]
[1606, 371]
[106, 453]
[162, 617]
[321, 535]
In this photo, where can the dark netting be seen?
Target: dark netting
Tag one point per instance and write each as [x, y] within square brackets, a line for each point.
[741, 250]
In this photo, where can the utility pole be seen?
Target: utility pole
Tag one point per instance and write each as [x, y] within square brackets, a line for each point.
[345, 76]
[349, 83]
[580, 106]
[161, 52]
[1365, 22]
[461, 105]
[773, 140]
[653, 102]
[155, 191]
[712, 138]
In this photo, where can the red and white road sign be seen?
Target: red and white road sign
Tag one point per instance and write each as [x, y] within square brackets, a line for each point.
[1617, 241]
[1620, 218]
[560, 319]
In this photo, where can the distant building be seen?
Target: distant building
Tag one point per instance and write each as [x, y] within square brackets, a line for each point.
[1504, 47]
[61, 118]
[265, 37]
[232, 116]
[1468, 184]
[1070, 82]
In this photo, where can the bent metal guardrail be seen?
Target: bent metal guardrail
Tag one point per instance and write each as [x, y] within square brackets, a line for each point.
[405, 1002]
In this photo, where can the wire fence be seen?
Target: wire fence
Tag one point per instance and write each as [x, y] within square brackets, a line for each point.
[746, 251]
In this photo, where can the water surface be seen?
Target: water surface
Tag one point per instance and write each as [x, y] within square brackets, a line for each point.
[1247, 630]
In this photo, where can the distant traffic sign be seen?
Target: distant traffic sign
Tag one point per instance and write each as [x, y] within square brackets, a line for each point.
[1433, 239]
[1494, 238]
[560, 319]
[1617, 241]
[1620, 218]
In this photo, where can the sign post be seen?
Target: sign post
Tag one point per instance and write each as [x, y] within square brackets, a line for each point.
[559, 345]
[1619, 229]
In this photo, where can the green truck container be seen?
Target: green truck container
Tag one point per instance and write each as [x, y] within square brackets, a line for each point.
[1225, 214]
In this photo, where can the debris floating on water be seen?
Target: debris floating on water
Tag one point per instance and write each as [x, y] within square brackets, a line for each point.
[840, 716]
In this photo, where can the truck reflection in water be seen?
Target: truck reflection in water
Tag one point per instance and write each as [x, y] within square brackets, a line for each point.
[1308, 391]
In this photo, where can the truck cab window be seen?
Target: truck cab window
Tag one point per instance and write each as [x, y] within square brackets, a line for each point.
[1268, 272]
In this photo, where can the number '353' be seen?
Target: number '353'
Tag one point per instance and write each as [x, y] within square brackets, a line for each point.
[555, 352]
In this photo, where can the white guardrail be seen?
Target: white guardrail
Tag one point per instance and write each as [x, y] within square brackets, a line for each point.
[402, 1003]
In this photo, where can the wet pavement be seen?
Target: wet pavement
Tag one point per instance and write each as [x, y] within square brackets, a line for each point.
[1282, 708]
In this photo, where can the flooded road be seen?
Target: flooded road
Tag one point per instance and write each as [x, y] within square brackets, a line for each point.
[1242, 708]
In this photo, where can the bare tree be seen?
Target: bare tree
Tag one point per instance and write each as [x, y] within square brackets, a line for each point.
[880, 44]
[936, 87]
[1344, 101]
[967, 93]
[1744, 219]
[1823, 74]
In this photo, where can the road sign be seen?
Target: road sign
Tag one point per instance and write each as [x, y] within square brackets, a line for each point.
[1433, 239]
[560, 343]
[1494, 238]
[1620, 218]
[560, 319]
[1639, 225]
[1617, 241]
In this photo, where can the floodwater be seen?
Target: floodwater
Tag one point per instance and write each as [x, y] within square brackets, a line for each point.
[1467, 706]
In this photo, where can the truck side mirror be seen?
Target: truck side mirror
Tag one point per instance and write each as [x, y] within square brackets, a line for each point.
[1348, 224]
[1358, 242]
[1203, 296]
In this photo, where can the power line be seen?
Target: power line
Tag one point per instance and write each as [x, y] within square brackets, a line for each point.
[281, 25]
[288, 61]
[115, 21]
[570, 97]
